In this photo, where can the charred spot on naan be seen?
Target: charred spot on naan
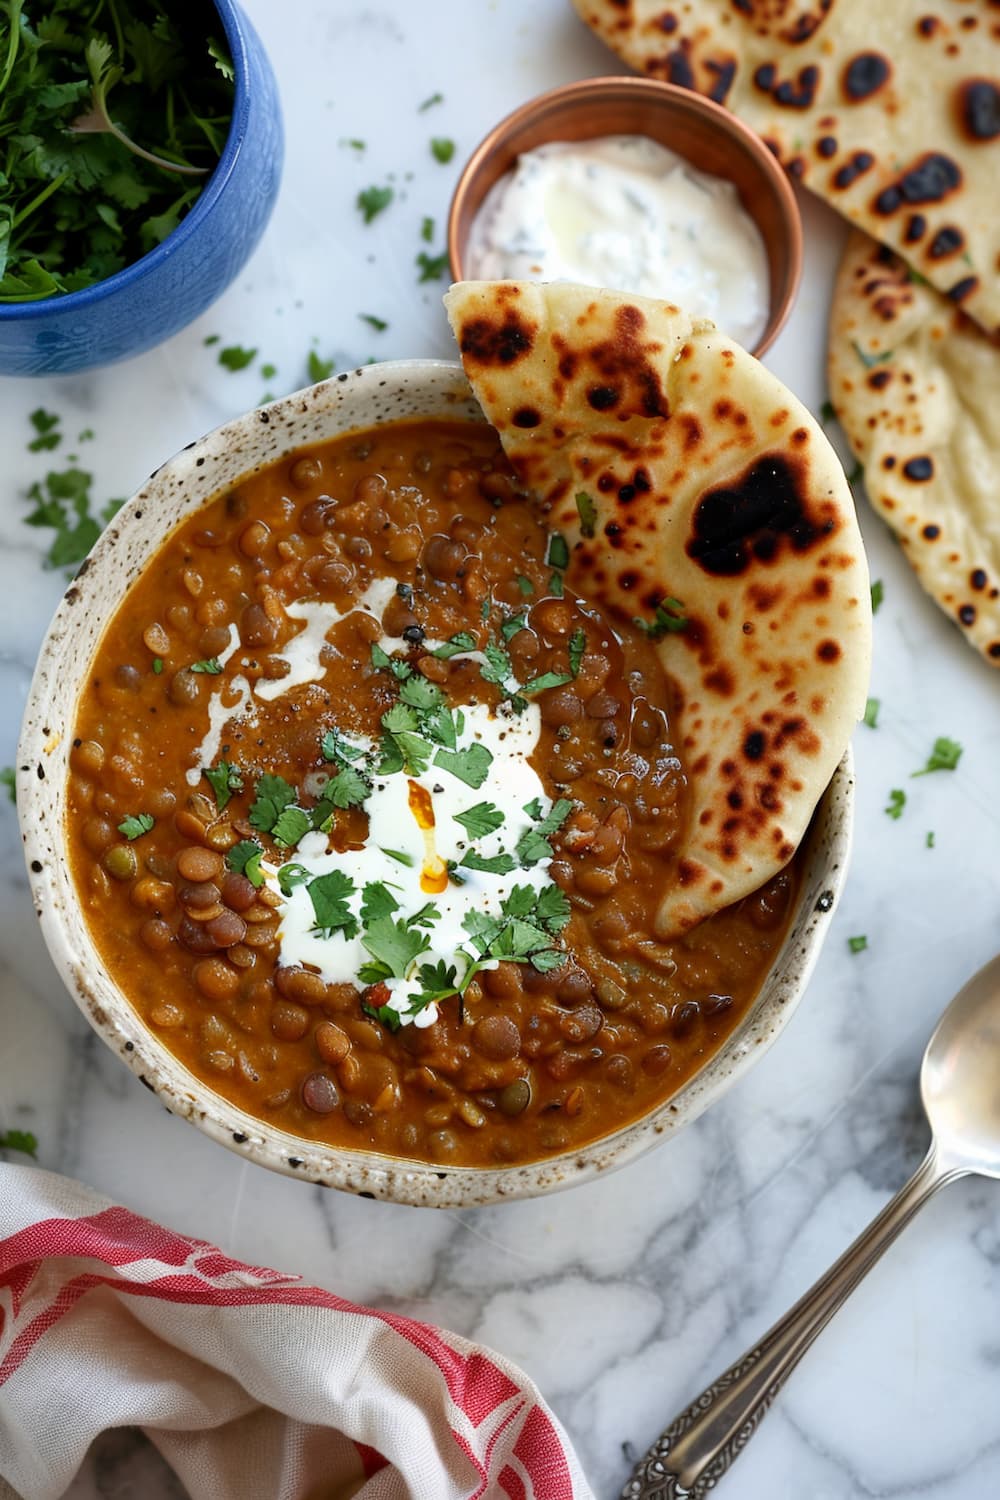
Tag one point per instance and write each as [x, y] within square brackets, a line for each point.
[978, 109]
[754, 517]
[499, 341]
[622, 374]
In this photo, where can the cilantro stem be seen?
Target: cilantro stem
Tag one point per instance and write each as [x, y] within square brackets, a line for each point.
[38, 200]
[14, 9]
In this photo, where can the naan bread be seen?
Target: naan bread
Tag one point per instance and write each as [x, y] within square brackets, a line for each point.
[889, 110]
[916, 387]
[712, 485]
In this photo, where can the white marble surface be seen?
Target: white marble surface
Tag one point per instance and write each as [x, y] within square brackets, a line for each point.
[624, 1297]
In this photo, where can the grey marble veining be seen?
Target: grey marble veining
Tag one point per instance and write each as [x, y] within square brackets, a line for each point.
[625, 1296]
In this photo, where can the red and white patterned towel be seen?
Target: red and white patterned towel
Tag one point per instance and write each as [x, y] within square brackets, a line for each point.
[252, 1385]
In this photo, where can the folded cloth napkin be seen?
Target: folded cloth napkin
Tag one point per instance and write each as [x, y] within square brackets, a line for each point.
[252, 1385]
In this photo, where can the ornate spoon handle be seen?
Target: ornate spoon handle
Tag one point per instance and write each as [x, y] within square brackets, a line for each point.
[698, 1447]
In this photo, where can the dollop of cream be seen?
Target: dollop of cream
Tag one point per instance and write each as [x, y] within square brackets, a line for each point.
[624, 212]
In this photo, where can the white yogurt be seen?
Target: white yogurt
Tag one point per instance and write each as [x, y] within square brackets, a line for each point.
[624, 212]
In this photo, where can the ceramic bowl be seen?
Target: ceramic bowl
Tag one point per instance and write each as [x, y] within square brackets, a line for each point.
[168, 288]
[374, 394]
[705, 134]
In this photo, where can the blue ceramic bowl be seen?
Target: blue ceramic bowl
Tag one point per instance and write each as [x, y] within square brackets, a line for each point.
[168, 288]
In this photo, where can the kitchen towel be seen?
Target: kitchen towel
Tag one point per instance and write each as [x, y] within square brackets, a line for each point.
[252, 1385]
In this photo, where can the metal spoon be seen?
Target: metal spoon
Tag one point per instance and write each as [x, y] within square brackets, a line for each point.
[960, 1088]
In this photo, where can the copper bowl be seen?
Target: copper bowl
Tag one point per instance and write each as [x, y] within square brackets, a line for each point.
[702, 132]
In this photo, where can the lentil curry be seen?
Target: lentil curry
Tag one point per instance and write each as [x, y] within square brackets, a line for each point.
[388, 879]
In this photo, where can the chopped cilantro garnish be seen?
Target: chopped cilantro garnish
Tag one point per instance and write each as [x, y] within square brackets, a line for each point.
[235, 357]
[328, 894]
[930, 840]
[944, 757]
[347, 789]
[291, 824]
[19, 1140]
[157, 665]
[273, 795]
[556, 586]
[432, 267]
[587, 512]
[403, 748]
[133, 827]
[224, 780]
[393, 945]
[442, 149]
[429, 103]
[546, 680]
[868, 360]
[291, 875]
[509, 628]
[857, 944]
[384, 1014]
[827, 412]
[8, 779]
[878, 594]
[455, 645]
[371, 201]
[493, 864]
[334, 747]
[471, 766]
[577, 646]
[497, 667]
[667, 620]
[480, 820]
[377, 901]
[401, 857]
[244, 859]
[211, 666]
[319, 369]
[871, 712]
[383, 662]
[355, 142]
[557, 555]
[525, 584]
[897, 801]
[533, 845]
[45, 424]
[379, 324]
[857, 473]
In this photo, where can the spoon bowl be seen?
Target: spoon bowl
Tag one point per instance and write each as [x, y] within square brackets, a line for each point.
[960, 1076]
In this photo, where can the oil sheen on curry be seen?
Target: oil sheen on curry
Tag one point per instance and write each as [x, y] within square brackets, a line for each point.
[371, 816]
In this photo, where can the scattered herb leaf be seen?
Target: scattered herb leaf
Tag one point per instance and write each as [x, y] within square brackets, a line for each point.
[235, 357]
[667, 620]
[210, 667]
[8, 779]
[857, 944]
[427, 230]
[577, 647]
[373, 200]
[557, 555]
[328, 894]
[44, 422]
[19, 1140]
[224, 779]
[897, 801]
[291, 824]
[478, 821]
[379, 324]
[273, 794]
[429, 103]
[870, 360]
[871, 712]
[432, 267]
[442, 149]
[319, 369]
[878, 594]
[134, 826]
[471, 765]
[945, 756]
[244, 859]
[587, 511]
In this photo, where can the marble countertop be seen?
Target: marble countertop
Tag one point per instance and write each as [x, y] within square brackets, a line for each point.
[622, 1298]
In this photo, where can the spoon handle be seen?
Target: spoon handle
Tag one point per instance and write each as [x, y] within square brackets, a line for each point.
[698, 1447]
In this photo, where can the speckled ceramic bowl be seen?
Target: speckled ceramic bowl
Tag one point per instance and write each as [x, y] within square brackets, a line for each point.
[377, 393]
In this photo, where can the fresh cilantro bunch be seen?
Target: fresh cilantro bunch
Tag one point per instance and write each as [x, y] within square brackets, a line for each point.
[112, 115]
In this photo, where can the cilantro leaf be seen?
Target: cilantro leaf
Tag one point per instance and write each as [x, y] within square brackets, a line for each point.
[857, 944]
[525, 585]
[333, 747]
[224, 779]
[587, 511]
[347, 789]
[328, 894]
[667, 620]
[480, 820]
[383, 662]
[878, 594]
[319, 369]
[403, 747]
[868, 360]
[547, 680]
[557, 555]
[8, 778]
[871, 712]
[533, 845]
[133, 827]
[211, 666]
[577, 647]
[386, 1015]
[494, 864]
[471, 765]
[19, 1140]
[379, 324]
[401, 857]
[273, 794]
[432, 267]
[45, 424]
[442, 149]
[373, 200]
[289, 826]
[897, 801]
[945, 756]
[244, 859]
[556, 586]
[378, 901]
[429, 103]
[497, 667]
[552, 910]
[512, 627]
[427, 229]
[827, 412]
[394, 945]
[456, 644]
[235, 357]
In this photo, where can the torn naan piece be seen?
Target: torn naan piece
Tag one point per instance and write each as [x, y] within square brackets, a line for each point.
[679, 469]
[891, 111]
[916, 387]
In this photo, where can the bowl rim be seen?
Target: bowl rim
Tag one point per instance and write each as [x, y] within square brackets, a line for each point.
[234, 24]
[652, 89]
[51, 701]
